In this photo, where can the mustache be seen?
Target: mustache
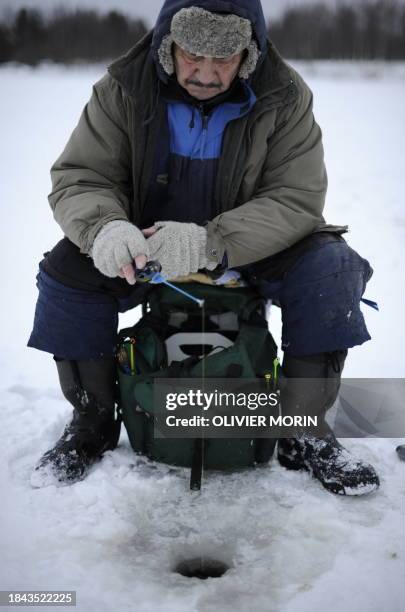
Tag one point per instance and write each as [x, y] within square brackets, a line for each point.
[202, 86]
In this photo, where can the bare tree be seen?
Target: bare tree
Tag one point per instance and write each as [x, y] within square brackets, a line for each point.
[83, 35]
[373, 30]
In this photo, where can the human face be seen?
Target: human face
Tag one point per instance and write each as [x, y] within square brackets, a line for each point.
[205, 77]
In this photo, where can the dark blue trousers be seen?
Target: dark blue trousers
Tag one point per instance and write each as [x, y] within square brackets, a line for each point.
[318, 284]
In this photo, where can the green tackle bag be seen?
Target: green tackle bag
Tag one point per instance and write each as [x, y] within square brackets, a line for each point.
[237, 344]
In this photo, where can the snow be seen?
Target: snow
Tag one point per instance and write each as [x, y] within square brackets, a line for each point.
[116, 537]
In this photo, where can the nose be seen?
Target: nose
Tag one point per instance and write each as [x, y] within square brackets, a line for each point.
[206, 72]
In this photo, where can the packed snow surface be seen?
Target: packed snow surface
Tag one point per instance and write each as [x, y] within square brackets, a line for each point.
[116, 537]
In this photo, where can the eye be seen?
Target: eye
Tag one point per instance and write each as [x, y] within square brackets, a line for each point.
[192, 58]
[226, 61]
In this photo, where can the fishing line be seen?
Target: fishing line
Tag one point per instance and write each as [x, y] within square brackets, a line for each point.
[152, 274]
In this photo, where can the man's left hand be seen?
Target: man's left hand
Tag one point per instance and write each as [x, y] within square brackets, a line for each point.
[179, 247]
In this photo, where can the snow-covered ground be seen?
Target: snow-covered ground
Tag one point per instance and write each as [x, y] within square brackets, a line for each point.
[115, 537]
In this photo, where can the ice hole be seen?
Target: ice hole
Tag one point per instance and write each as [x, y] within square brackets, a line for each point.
[201, 568]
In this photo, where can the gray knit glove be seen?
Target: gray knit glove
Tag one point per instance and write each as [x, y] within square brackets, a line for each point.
[117, 245]
[180, 248]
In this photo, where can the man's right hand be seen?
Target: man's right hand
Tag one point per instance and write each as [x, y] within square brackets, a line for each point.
[116, 248]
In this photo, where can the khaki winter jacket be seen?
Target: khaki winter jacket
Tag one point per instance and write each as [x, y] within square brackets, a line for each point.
[271, 182]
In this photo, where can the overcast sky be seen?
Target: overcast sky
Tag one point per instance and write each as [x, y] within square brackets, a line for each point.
[150, 8]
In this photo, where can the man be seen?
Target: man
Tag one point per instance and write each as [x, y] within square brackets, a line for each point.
[198, 148]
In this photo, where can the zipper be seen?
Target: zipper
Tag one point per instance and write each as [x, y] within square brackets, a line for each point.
[204, 117]
[148, 157]
[204, 121]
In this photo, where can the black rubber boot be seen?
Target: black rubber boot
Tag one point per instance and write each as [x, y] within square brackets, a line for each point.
[322, 455]
[90, 387]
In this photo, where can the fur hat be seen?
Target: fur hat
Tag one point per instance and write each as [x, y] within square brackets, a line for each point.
[201, 32]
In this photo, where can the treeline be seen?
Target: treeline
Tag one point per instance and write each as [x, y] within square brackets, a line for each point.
[83, 35]
[372, 30]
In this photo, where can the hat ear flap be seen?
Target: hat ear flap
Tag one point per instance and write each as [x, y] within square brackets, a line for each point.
[249, 65]
[165, 54]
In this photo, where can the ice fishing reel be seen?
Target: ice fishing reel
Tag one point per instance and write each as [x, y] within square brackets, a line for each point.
[151, 273]
[148, 272]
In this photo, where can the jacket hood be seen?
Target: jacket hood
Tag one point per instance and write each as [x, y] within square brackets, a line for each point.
[137, 70]
[248, 9]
